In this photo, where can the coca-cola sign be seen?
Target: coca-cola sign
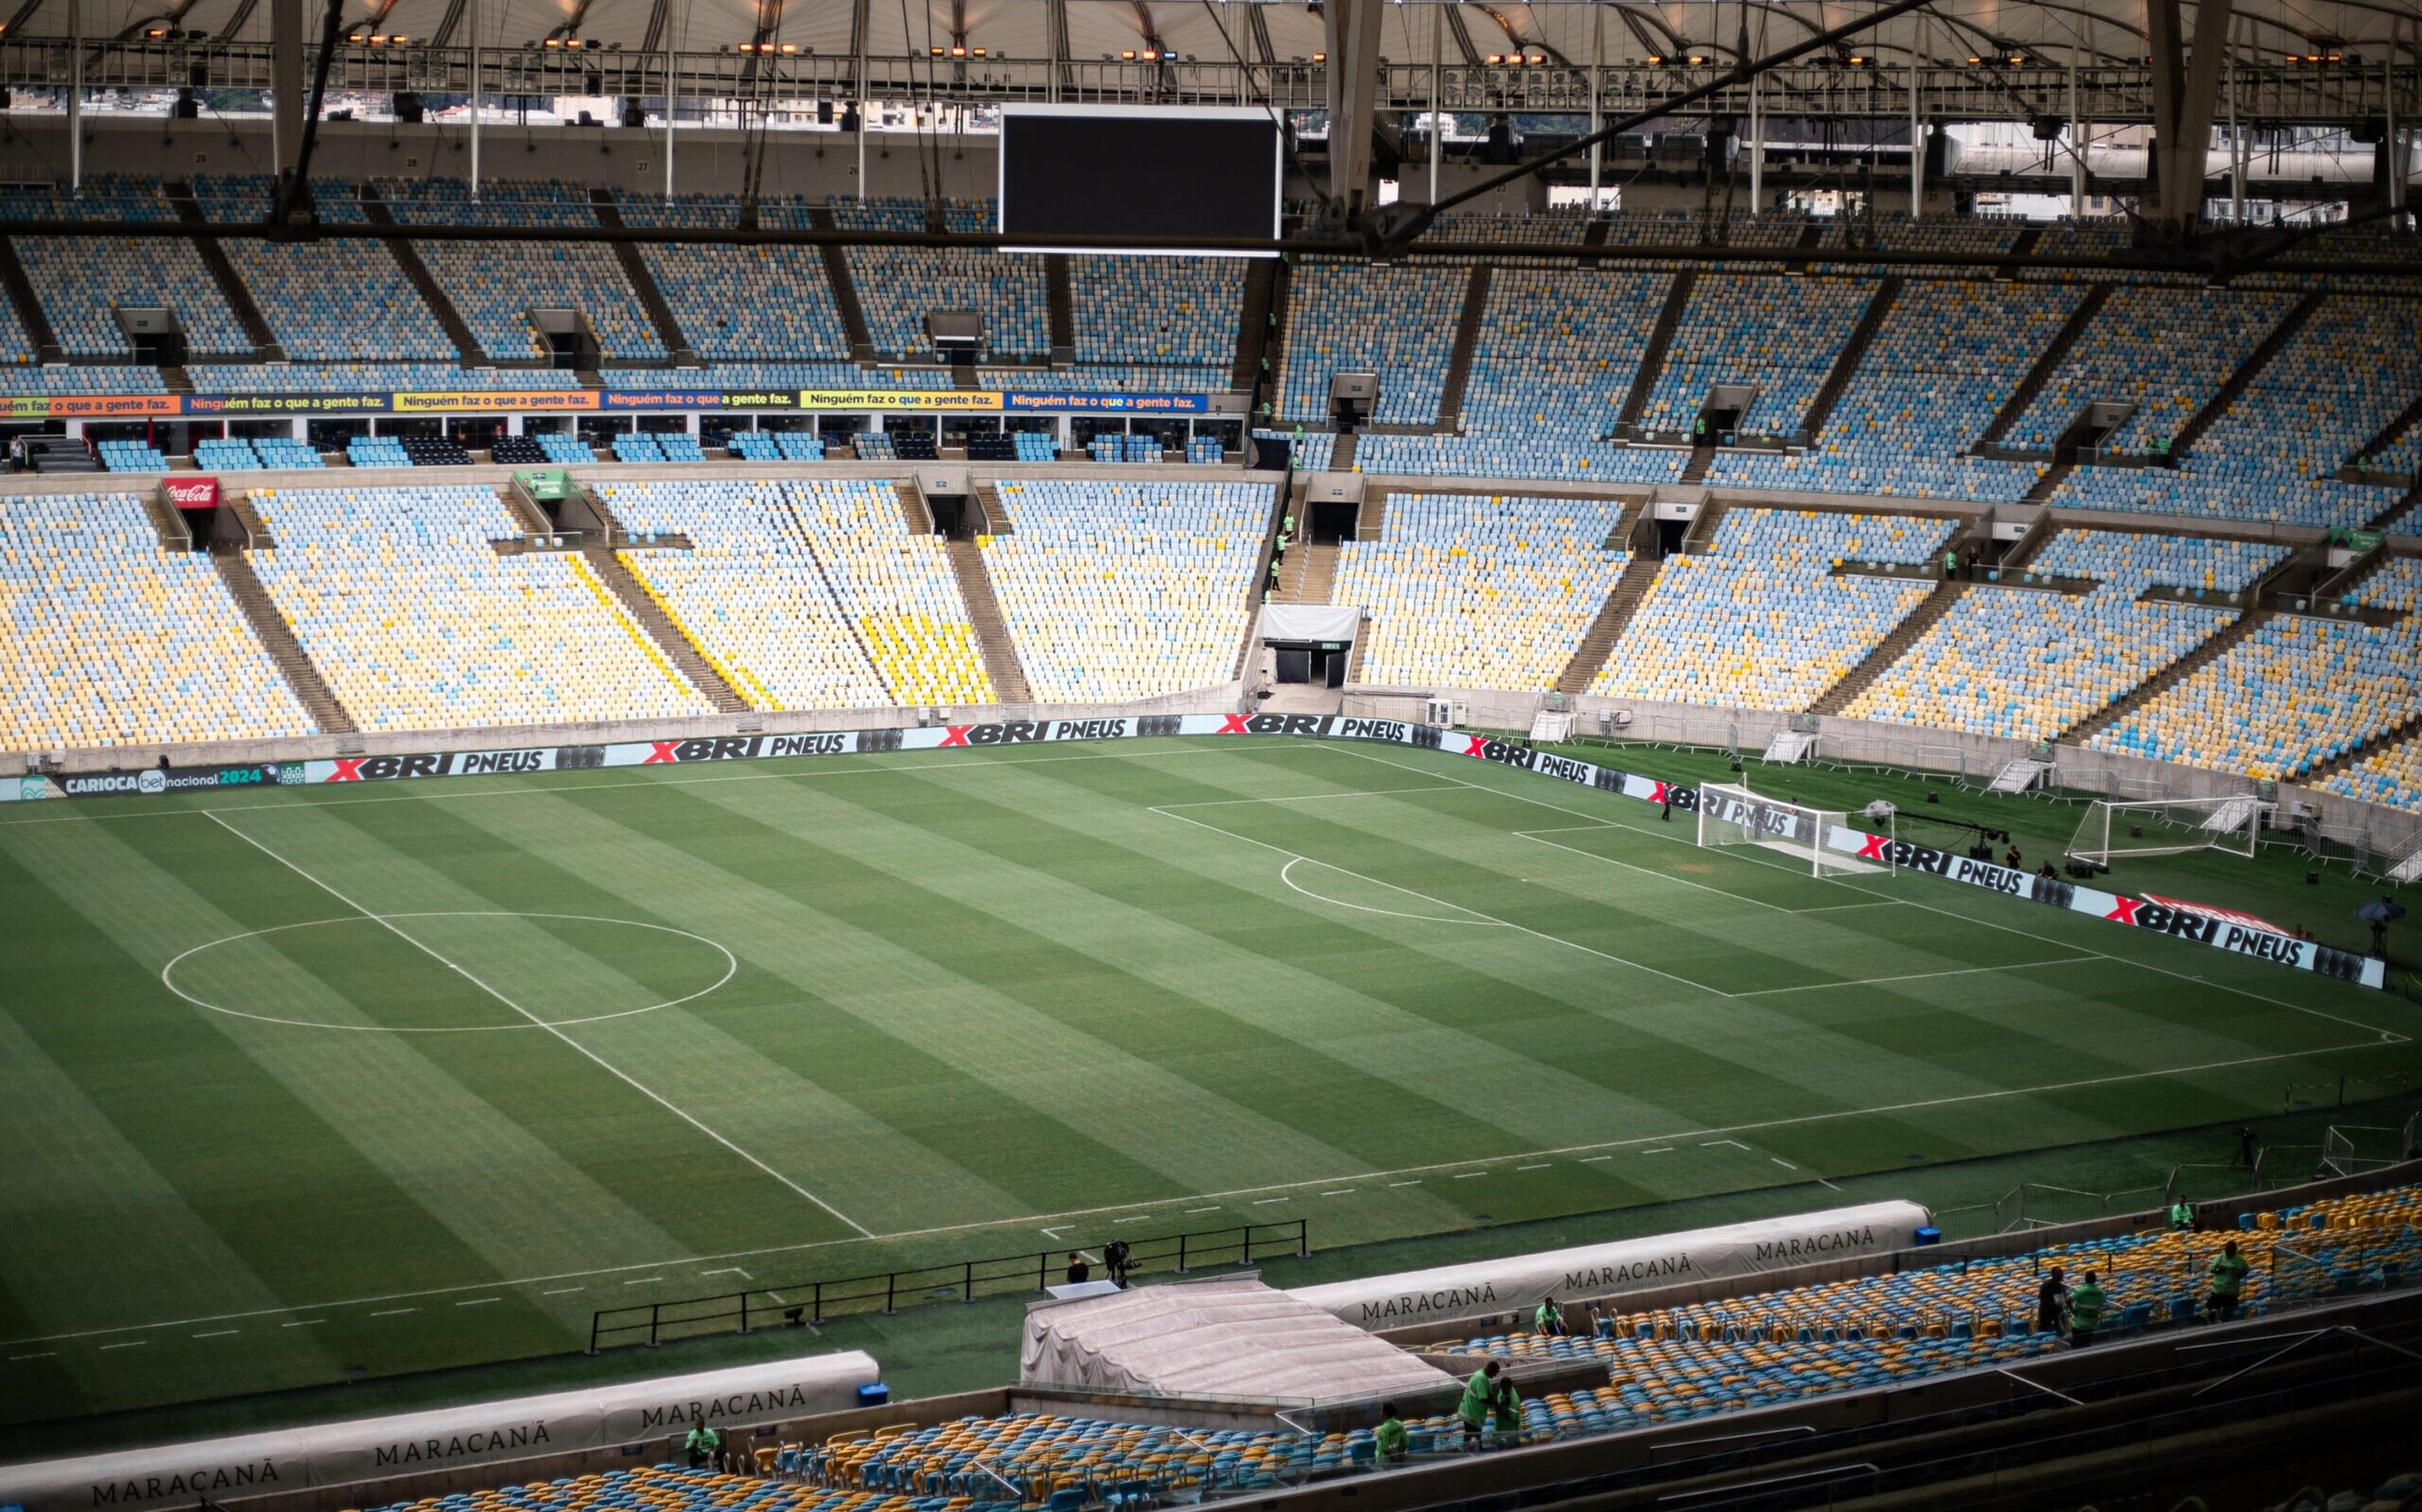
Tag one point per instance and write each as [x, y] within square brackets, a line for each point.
[192, 492]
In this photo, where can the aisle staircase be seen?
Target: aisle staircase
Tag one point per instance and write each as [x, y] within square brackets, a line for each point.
[2247, 371]
[2053, 355]
[669, 638]
[1845, 363]
[1466, 341]
[844, 288]
[467, 349]
[1661, 338]
[991, 627]
[38, 331]
[1613, 615]
[1308, 574]
[230, 283]
[276, 637]
[1911, 629]
[643, 282]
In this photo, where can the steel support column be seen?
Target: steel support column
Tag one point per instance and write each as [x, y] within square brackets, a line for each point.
[287, 93]
[2185, 88]
[1353, 27]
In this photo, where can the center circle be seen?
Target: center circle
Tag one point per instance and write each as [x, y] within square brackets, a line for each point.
[519, 980]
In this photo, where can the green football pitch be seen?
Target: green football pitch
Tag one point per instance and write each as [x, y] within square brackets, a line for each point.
[376, 1080]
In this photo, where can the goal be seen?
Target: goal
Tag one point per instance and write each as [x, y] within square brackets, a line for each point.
[1822, 840]
[2169, 827]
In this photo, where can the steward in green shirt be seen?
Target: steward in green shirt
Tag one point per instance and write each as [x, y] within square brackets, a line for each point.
[705, 1446]
[2229, 1269]
[1549, 1322]
[1473, 1410]
[1508, 1415]
[2183, 1215]
[2085, 1305]
[1389, 1439]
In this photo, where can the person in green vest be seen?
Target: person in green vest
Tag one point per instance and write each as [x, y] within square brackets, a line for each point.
[705, 1446]
[1288, 529]
[2183, 1214]
[1478, 1392]
[2227, 1281]
[1950, 563]
[1549, 1321]
[2085, 1305]
[1392, 1444]
[1507, 1412]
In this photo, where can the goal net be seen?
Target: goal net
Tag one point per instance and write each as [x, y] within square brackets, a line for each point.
[1730, 815]
[2169, 827]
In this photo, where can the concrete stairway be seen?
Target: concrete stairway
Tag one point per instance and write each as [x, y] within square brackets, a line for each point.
[2247, 371]
[991, 515]
[1904, 635]
[1703, 458]
[1257, 323]
[1467, 340]
[991, 627]
[1652, 359]
[276, 637]
[1371, 517]
[239, 504]
[1308, 574]
[2051, 480]
[844, 289]
[1846, 364]
[1341, 457]
[913, 512]
[230, 283]
[407, 256]
[2169, 677]
[649, 616]
[1612, 616]
[167, 523]
[2047, 364]
[643, 282]
[29, 306]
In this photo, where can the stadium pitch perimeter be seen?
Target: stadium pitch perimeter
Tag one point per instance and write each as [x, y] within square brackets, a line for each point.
[305, 1085]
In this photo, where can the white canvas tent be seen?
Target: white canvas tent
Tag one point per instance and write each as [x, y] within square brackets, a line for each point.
[1227, 1336]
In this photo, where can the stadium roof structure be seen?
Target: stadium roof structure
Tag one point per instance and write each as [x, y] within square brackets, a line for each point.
[1557, 32]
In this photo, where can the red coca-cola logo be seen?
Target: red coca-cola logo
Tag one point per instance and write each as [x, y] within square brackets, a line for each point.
[193, 492]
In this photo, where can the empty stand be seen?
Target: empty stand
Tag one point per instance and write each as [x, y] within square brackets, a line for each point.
[1397, 319]
[417, 622]
[643, 282]
[1118, 591]
[1776, 336]
[231, 284]
[467, 346]
[990, 626]
[1760, 619]
[2166, 352]
[1608, 625]
[278, 639]
[1661, 343]
[2029, 662]
[650, 616]
[1846, 364]
[82, 283]
[2256, 360]
[117, 640]
[2048, 361]
[501, 287]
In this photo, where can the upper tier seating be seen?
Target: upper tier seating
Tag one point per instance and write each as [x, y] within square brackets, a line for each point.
[333, 300]
[417, 623]
[2166, 351]
[1759, 619]
[115, 641]
[897, 286]
[1116, 591]
[1554, 362]
[1471, 592]
[2274, 455]
[2028, 663]
[768, 302]
[1397, 319]
[82, 281]
[1163, 312]
[1099, 379]
[2293, 694]
[1779, 334]
[113, 378]
[791, 586]
[1944, 359]
[495, 284]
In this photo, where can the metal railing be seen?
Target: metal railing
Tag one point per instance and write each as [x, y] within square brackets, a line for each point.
[793, 1304]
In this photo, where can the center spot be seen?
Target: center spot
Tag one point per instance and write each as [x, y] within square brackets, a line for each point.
[454, 972]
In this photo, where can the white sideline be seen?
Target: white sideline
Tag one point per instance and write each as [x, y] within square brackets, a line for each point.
[617, 1072]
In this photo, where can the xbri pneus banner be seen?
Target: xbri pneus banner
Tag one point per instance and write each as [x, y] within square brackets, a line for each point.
[2238, 933]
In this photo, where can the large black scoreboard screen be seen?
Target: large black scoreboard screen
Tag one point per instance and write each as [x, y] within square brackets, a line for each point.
[1165, 175]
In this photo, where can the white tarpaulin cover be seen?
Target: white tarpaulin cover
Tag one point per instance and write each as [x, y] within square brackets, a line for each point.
[1226, 1336]
[1519, 1282]
[1315, 622]
[342, 1454]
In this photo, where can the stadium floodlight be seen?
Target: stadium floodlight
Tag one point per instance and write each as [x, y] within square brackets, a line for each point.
[2170, 827]
[1822, 840]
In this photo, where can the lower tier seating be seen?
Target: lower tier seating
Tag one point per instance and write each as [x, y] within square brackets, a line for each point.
[1761, 619]
[806, 593]
[1117, 591]
[1466, 591]
[115, 640]
[418, 623]
[2029, 664]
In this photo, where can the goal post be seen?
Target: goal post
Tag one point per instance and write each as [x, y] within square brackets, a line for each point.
[2169, 827]
[1822, 840]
